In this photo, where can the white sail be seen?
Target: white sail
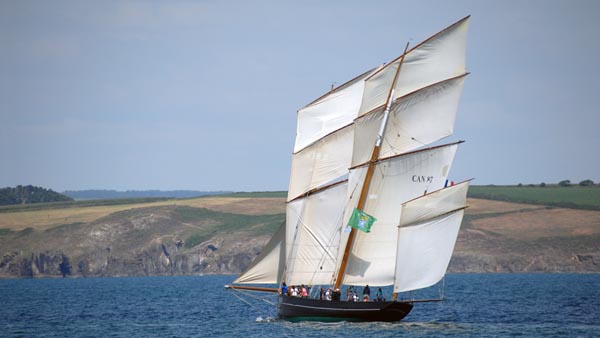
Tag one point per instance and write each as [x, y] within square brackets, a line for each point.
[426, 236]
[267, 268]
[434, 204]
[314, 226]
[330, 112]
[395, 181]
[440, 57]
[424, 251]
[321, 163]
[415, 120]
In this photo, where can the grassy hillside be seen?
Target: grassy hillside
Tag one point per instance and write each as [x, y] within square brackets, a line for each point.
[222, 234]
[48, 215]
[220, 222]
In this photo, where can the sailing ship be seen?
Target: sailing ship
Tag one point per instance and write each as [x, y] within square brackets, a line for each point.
[369, 201]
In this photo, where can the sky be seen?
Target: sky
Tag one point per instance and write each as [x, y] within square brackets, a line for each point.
[203, 95]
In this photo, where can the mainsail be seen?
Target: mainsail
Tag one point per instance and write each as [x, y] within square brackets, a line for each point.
[403, 107]
[396, 180]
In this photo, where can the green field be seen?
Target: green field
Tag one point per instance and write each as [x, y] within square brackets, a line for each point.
[257, 194]
[80, 204]
[576, 197]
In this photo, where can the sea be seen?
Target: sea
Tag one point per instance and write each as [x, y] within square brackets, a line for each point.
[476, 305]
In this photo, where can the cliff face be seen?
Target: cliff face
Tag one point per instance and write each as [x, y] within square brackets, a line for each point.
[139, 242]
[171, 240]
[151, 262]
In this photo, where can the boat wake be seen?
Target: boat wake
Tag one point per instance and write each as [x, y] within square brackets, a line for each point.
[260, 319]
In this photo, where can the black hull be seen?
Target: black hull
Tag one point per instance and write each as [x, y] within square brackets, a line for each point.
[298, 309]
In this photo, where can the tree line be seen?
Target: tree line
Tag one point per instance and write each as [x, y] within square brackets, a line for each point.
[566, 183]
[29, 194]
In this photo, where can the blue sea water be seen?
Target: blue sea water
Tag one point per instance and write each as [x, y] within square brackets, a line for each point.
[477, 305]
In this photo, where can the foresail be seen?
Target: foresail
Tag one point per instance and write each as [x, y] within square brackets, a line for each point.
[314, 226]
[267, 268]
[440, 57]
[395, 181]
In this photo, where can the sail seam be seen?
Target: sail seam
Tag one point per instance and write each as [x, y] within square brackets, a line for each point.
[432, 218]
[407, 153]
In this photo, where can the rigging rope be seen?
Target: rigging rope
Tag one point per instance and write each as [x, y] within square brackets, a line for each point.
[250, 304]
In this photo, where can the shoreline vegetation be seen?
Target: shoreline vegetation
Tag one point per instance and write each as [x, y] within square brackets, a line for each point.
[570, 196]
[520, 228]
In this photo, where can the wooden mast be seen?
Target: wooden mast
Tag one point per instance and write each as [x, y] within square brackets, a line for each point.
[365, 188]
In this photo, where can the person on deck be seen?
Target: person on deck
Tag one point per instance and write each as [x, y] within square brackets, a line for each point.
[322, 294]
[379, 295]
[328, 294]
[304, 292]
[284, 289]
[337, 294]
[367, 291]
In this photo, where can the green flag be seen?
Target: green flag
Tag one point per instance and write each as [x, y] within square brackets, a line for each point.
[361, 220]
